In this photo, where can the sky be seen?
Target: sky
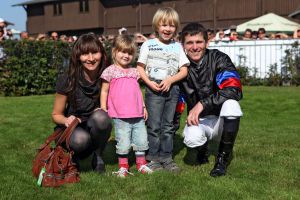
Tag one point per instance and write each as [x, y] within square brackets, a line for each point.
[16, 14]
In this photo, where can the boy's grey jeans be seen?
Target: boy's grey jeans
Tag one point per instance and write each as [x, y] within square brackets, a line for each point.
[161, 109]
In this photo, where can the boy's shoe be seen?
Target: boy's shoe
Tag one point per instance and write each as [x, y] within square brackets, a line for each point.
[122, 172]
[144, 169]
[155, 166]
[171, 166]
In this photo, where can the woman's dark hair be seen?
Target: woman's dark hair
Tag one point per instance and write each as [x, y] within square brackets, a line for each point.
[193, 29]
[86, 43]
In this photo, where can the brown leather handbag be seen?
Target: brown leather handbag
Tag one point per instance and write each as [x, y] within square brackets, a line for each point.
[53, 164]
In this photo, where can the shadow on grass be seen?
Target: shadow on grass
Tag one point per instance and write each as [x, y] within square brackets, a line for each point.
[178, 144]
[110, 157]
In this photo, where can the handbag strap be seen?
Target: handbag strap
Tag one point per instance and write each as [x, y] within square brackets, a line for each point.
[56, 134]
[65, 137]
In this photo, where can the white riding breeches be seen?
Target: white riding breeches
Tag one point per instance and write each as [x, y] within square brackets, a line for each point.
[210, 127]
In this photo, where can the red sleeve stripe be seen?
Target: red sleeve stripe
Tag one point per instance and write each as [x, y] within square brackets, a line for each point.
[231, 82]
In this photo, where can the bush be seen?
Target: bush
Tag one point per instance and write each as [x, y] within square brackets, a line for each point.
[290, 72]
[291, 65]
[274, 78]
[31, 67]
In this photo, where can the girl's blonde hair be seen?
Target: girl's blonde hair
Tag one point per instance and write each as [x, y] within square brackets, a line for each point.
[165, 15]
[123, 43]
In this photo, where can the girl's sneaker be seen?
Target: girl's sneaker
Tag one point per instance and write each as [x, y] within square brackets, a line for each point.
[144, 169]
[122, 172]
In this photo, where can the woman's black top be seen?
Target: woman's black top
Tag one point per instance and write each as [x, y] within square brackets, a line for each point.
[84, 100]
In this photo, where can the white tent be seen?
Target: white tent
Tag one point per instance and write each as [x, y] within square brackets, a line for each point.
[271, 22]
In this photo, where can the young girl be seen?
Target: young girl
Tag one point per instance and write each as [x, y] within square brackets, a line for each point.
[122, 98]
[162, 62]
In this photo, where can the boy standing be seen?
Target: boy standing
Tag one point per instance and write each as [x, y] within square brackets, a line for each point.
[162, 63]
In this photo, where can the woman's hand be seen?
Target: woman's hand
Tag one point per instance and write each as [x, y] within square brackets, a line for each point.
[104, 109]
[69, 120]
[145, 114]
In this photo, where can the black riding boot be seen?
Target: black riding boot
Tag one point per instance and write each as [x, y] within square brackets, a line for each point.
[202, 156]
[190, 158]
[230, 130]
[197, 155]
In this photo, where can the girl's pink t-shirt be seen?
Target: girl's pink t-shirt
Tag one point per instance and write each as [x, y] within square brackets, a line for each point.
[124, 95]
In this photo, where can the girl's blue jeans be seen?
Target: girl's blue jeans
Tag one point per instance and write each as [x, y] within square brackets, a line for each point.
[130, 132]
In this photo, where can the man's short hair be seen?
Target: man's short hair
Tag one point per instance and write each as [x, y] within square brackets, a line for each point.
[193, 29]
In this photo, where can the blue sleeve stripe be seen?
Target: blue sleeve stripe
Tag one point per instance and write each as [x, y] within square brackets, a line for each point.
[222, 76]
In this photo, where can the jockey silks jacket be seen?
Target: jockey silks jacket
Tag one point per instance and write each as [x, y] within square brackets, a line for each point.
[212, 81]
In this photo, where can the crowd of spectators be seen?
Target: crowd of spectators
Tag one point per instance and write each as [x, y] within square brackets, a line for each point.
[5, 34]
[221, 35]
[231, 34]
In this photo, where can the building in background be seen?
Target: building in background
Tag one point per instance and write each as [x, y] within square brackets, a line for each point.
[295, 14]
[74, 17]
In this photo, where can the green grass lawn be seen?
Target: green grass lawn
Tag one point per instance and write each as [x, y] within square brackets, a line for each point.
[266, 162]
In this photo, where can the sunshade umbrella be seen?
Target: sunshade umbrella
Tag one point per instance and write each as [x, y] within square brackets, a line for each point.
[271, 22]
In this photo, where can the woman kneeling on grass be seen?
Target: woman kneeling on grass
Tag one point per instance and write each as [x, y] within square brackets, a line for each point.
[77, 96]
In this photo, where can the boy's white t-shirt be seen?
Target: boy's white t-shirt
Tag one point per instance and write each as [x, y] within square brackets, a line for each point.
[162, 60]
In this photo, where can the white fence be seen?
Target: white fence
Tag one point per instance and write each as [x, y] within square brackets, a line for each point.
[259, 54]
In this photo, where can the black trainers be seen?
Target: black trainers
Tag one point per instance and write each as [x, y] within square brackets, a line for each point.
[171, 166]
